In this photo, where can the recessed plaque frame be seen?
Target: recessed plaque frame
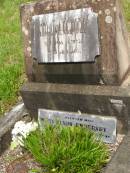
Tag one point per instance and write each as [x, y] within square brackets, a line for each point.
[67, 36]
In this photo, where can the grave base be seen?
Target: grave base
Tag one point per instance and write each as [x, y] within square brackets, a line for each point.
[99, 100]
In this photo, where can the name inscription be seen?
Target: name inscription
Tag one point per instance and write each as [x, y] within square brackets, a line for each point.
[69, 36]
[101, 125]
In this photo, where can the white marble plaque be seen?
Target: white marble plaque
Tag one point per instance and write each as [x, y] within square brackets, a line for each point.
[106, 126]
[67, 36]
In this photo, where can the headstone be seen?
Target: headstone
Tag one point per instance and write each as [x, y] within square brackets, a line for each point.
[68, 36]
[104, 126]
[53, 78]
[112, 64]
[109, 68]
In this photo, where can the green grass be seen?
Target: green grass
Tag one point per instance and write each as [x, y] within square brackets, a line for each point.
[11, 53]
[126, 6]
[65, 149]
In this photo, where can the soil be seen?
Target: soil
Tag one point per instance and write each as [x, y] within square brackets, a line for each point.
[17, 161]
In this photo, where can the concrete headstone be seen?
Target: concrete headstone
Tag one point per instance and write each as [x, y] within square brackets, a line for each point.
[109, 68]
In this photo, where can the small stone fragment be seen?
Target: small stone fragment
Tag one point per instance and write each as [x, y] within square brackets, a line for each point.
[108, 19]
[107, 12]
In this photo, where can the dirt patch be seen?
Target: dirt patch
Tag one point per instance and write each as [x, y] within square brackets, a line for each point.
[17, 161]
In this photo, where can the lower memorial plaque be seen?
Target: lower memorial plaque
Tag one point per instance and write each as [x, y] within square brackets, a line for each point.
[106, 126]
[67, 36]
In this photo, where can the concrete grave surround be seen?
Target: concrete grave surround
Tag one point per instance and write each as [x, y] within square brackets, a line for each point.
[7, 122]
[66, 86]
[45, 89]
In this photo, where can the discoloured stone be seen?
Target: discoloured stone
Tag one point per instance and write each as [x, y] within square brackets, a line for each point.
[107, 11]
[101, 37]
[107, 66]
[111, 4]
[108, 19]
[100, 12]
[107, 60]
[115, 9]
[29, 49]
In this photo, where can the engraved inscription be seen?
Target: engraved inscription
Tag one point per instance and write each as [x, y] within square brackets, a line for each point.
[69, 36]
[100, 124]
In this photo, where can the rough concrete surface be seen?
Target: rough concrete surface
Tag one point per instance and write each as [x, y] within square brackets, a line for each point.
[120, 162]
[109, 66]
[7, 122]
[98, 100]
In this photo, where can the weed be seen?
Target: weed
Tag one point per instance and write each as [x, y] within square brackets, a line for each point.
[65, 149]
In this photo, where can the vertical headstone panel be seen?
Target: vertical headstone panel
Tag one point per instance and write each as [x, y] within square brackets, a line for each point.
[106, 64]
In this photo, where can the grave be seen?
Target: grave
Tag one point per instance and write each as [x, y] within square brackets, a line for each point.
[77, 58]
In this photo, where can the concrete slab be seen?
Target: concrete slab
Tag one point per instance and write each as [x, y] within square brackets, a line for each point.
[98, 100]
[120, 163]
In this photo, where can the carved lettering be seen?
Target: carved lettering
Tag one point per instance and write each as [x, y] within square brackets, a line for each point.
[70, 36]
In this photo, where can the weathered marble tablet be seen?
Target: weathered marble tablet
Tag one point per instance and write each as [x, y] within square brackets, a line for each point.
[67, 36]
[103, 125]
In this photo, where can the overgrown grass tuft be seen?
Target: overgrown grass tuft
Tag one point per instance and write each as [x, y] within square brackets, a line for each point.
[65, 149]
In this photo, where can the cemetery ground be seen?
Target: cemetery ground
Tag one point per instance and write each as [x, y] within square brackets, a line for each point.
[12, 76]
[11, 54]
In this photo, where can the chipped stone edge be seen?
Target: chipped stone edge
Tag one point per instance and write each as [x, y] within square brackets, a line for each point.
[7, 122]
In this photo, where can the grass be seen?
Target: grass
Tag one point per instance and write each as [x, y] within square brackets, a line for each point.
[11, 53]
[65, 149]
[126, 6]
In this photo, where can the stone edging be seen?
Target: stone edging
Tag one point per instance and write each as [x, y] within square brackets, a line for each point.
[7, 122]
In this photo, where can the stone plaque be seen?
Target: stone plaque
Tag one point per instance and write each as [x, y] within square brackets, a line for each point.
[106, 126]
[67, 36]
